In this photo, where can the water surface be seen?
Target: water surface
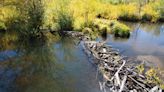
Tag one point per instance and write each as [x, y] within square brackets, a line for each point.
[59, 66]
[146, 42]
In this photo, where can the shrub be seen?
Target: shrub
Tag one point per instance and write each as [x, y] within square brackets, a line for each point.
[120, 30]
[24, 18]
[2, 26]
[83, 13]
[152, 76]
[7, 16]
[159, 7]
[129, 12]
[150, 14]
[58, 16]
[112, 26]
[107, 9]
[35, 12]
[65, 21]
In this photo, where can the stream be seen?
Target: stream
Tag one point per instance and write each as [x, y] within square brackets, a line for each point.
[60, 65]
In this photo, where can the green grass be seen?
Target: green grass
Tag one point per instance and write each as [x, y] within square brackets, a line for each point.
[61, 15]
[112, 26]
[120, 30]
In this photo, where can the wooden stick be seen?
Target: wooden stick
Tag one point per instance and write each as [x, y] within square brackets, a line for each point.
[119, 69]
[123, 83]
[139, 83]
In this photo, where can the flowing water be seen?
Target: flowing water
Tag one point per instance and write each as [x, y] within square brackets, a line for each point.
[60, 65]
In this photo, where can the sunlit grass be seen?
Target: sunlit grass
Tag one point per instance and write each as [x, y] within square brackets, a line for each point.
[78, 14]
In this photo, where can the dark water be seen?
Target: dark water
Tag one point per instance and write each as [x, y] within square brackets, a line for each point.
[56, 66]
[146, 42]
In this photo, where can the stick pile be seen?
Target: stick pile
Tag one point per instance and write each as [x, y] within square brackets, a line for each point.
[117, 76]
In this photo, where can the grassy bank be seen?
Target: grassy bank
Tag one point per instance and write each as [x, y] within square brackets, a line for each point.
[28, 17]
[104, 26]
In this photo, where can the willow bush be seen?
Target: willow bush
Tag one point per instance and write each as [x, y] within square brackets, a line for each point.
[129, 12]
[24, 17]
[58, 16]
[7, 16]
[150, 13]
[84, 12]
[34, 15]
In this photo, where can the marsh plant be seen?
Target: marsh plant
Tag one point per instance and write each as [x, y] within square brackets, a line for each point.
[28, 17]
[65, 21]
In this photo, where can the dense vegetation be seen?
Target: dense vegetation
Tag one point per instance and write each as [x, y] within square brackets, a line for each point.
[29, 17]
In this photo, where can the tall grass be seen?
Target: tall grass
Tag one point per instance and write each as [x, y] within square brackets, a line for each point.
[74, 14]
[84, 12]
[58, 16]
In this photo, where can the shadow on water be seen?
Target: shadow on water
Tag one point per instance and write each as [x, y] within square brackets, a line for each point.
[44, 66]
[32, 62]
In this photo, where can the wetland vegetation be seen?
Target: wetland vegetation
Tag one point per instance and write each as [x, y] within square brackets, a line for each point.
[33, 44]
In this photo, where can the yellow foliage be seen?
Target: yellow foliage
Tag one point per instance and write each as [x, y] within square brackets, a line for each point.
[109, 11]
[7, 13]
[84, 11]
[50, 13]
[150, 13]
[152, 76]
[140, 68]
[131, 10]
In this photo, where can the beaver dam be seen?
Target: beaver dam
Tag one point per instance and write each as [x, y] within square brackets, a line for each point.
[116, 74]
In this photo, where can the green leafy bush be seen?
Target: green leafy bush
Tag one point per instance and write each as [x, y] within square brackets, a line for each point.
[120, 30]
[150, 14]
[65, 21]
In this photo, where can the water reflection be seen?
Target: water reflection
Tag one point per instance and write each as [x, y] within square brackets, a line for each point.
[38, 66]
[33, 63]
[145, 40]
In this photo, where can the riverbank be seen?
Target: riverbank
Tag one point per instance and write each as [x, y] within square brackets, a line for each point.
[76, 35]
[75, 14]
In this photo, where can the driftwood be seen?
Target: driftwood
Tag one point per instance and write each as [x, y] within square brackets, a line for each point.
[117, 75]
